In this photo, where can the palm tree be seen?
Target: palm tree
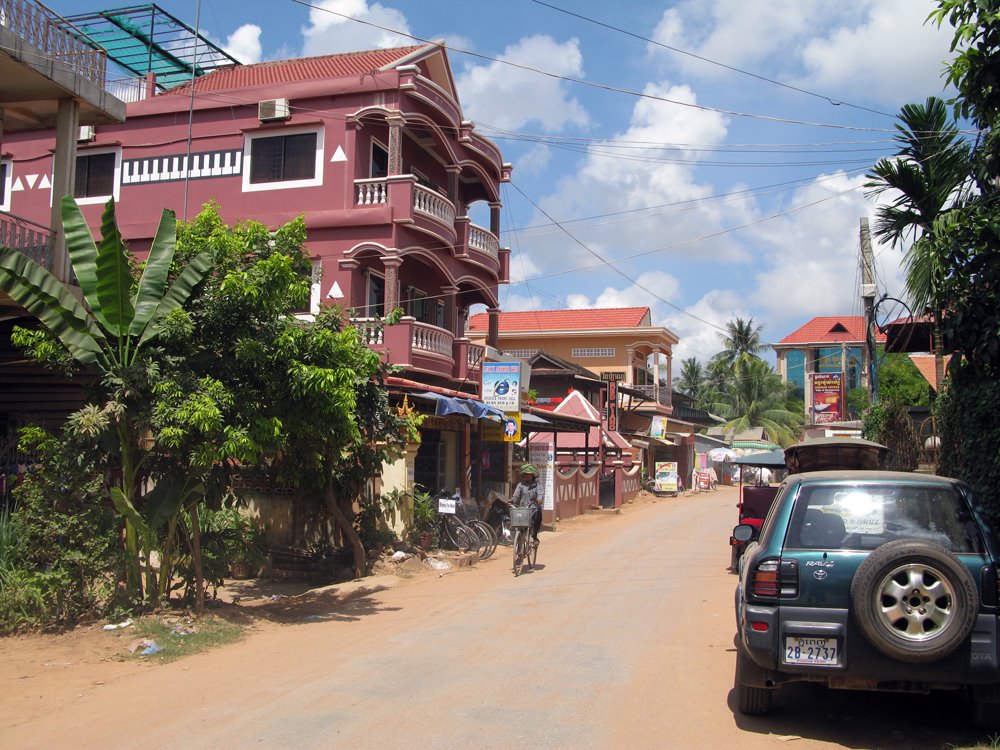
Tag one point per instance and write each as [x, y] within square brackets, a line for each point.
[741, 337]
[692, 377]
[929, 175]
[756, 397]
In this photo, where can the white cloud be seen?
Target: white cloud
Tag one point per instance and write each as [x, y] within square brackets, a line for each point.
[855, 49]
[244, 44]
[698, 327]
[329, 31]
[533, 161]
[893, 54]
[511, 98]
[648, 291]
[810, 262]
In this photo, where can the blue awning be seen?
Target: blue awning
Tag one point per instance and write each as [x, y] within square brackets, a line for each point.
[457, 405]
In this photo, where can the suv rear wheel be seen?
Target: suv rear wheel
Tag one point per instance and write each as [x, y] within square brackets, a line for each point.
[752, 701]
[914, 601]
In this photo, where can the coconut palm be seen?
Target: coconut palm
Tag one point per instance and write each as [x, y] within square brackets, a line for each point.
[755, 397]
[691, 378]
[741, 337]
[926, 178]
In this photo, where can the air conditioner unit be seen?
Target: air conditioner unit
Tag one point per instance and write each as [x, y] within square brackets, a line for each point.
[273, 109]
[87, 133]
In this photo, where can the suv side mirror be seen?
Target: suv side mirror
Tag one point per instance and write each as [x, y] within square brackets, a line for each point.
[744, 532]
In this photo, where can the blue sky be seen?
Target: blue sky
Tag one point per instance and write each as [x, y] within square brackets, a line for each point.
[676, 176]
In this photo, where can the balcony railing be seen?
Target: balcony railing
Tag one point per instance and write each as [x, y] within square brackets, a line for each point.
[27, 237]
[373, 192]
[484, 241]
[427, 338]
[38, 28]
[432, 203]
[648, 390]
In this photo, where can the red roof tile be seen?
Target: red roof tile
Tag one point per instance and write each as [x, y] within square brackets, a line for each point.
[564, 320]
[831, 330]
[299, 69]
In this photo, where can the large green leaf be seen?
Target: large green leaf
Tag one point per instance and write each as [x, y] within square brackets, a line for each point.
[114, 276]
[179, 292]
[166, 497]
[45, 297]
[82, 253]
[154, 277]
[128, 510]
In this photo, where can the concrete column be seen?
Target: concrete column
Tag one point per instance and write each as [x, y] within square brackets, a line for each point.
[391, 283]
[656, 374]
[453, 196]
[63, 180]
[450, 318]
[493, 337]
[630, 367]
[395, 145]
[495, 218]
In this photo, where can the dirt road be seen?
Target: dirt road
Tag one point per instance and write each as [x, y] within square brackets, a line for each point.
[622, 638]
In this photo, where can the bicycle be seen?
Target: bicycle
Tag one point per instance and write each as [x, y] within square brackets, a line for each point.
[453, 529]
[525, 549]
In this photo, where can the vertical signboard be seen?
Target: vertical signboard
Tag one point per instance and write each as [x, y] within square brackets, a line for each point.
[543, 456]
[512, 427]
[827, 397]
[501, 386]
[665, 476]
[612, 405]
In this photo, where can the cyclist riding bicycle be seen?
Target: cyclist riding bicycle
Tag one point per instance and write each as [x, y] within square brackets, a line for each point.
[528, 494]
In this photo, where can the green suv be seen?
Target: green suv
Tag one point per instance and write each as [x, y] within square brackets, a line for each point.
[870, 580]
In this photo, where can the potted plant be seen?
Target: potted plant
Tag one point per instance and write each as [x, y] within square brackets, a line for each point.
[423, 519]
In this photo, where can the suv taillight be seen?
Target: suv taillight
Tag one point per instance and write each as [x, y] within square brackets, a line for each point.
[774, 579]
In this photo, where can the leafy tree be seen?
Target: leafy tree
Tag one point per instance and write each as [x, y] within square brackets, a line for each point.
[887, 422]
[111, 336]
[691, 377]
[899, 380]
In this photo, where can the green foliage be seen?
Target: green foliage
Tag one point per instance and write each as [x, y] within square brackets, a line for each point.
[424, 513]
[900, 380]
[375, 518]
[59, 556]
[887, 422]
[228, 536]
[691, 377]
[970, 434]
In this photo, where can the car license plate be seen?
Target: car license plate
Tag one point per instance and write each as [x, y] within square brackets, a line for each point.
[822, 651]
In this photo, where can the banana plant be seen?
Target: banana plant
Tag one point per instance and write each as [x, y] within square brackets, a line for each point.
[119, 320]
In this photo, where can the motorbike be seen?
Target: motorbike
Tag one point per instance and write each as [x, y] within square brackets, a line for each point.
[498, 516]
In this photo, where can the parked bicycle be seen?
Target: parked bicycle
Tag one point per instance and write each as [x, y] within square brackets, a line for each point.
[498, 517]
[525, 548]
[458, 521]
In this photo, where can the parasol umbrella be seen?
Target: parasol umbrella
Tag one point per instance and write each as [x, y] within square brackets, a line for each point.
[722, 454]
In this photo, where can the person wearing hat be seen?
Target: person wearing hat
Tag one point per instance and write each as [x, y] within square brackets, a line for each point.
[528, 494]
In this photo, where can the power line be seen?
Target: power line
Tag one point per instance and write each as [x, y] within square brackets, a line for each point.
[709, 60]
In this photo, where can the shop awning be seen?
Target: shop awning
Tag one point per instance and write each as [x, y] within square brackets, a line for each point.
[446, 405]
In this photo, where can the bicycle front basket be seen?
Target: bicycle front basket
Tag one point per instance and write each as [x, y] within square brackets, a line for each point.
[520, 517]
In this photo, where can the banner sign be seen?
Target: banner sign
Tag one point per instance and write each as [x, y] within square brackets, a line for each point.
[512, 427]
[666, 476]
[543, 456]
[613, 376]
[827, 397]
[658, 427]
[501, 387]
[612, 405]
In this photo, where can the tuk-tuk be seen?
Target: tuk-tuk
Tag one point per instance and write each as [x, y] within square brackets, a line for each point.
[814, 454]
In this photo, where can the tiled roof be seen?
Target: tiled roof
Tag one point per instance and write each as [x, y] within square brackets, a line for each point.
[831, 330]
[564, 320]
[276, 72]
[925, 364]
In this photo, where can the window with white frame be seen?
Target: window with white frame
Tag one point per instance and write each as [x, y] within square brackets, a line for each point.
[284, 159]
[97, 176]
[521, 353]
[6, 173]
[594, 352]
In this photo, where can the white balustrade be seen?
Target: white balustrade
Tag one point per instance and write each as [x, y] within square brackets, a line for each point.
[369, 330]
[372, 192]
[429, 202]
[476, 354]
[428, 338]
[484, 241]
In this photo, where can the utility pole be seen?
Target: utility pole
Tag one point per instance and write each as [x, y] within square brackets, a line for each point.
[868, 300]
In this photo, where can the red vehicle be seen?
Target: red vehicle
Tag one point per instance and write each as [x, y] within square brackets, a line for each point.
[814, 454]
